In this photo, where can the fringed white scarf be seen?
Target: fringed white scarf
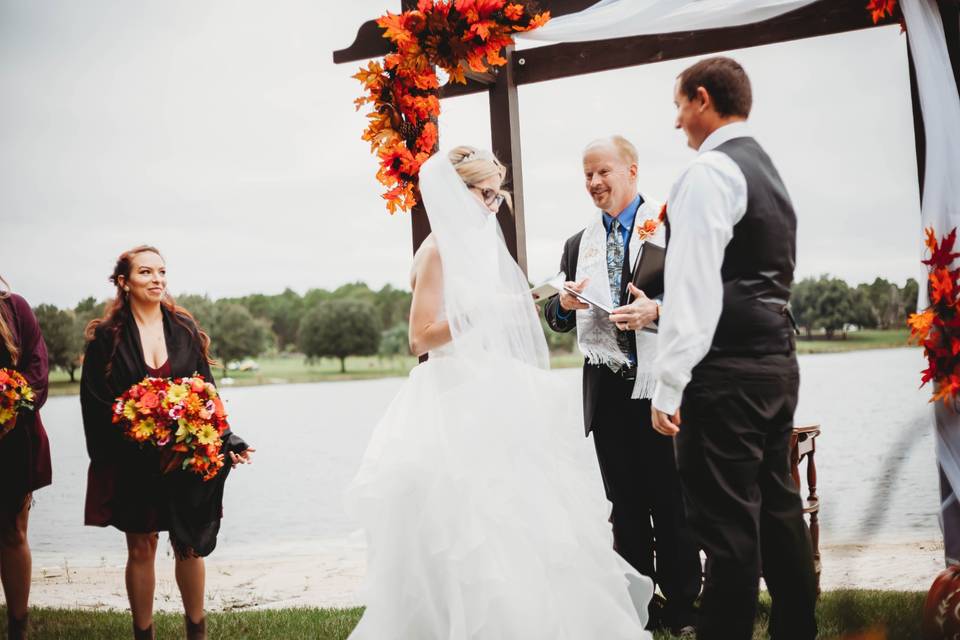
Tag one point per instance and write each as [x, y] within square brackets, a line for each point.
[596, 335]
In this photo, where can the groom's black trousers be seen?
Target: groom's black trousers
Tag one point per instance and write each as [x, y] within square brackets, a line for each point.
[641, 480]
[733, 451]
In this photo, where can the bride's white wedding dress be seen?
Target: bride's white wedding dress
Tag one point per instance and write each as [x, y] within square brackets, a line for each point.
[484, 515]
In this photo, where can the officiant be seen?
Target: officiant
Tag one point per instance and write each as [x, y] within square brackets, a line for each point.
[601, 263]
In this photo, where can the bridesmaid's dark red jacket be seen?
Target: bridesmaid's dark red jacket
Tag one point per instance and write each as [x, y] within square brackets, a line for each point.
[25, 451]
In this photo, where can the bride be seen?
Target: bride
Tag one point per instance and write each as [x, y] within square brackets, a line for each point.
[483, 518]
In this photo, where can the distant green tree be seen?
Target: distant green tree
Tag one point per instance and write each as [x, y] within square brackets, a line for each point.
[202, 308]
[340, 328]
[802, 299]
[909, 295]
[236, 334]
[392, 305]
[64, 341]
[395, 341]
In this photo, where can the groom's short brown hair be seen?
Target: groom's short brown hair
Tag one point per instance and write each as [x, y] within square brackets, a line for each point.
[725, 81]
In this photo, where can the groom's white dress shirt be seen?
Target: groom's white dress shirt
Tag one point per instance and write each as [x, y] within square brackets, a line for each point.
[705, 203]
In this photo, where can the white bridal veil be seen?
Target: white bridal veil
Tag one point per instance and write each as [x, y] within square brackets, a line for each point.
[486, 296]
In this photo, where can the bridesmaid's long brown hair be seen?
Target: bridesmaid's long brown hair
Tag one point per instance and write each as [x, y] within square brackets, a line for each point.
[5, 333]
[118, 312]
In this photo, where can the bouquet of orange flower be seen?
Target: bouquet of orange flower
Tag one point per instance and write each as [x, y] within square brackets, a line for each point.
[15, 394]
[937, 327]
[184, 416]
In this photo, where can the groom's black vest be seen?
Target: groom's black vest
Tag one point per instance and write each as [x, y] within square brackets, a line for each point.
[758, 265]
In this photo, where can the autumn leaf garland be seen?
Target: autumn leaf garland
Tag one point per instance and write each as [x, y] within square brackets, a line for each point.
[937, 327]
[403, 89]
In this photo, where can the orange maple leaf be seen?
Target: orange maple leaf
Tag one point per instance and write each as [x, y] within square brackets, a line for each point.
[539, 20]
[947, 389]
[941, 285]
[395, 28]
[513, 12]
[482, 28]
[920, 325]
[931, 240]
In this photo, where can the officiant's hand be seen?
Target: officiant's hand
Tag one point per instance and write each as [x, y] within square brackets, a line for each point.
[663, 423]
[570, 302]
[636, 315]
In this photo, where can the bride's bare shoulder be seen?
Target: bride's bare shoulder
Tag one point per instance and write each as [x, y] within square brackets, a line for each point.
[426, 257]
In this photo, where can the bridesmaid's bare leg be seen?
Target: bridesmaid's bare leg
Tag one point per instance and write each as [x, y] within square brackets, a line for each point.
[191, 578]
[16, 562]
[141, 576]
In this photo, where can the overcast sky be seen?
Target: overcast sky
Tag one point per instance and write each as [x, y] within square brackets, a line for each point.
[222, 132]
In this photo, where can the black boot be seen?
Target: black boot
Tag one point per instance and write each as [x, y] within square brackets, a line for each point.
[143, 634]
[17, 629]
[196, 630]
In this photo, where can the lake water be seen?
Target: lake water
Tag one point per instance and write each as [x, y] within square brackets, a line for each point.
[877, 473]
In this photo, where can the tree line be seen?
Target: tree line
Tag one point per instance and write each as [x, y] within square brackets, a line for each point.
[832, 306]
[357, 320]
[350, 320]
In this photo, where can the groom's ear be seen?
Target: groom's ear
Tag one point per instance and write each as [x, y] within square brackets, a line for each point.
[706, 100]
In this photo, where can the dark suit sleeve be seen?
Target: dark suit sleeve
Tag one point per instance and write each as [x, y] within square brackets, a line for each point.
[559, 320]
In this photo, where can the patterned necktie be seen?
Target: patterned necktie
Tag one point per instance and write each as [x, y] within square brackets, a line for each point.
[614, 274]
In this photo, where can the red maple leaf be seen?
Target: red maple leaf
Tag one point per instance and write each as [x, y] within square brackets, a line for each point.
[942, 256]
[881, 8]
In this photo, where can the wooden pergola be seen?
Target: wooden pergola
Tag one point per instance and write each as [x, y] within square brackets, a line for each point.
[565, 60]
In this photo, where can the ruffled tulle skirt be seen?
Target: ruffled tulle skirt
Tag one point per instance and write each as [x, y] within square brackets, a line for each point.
[484, 514]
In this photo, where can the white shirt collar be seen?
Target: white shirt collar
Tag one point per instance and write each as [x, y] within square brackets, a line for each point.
[724, 134]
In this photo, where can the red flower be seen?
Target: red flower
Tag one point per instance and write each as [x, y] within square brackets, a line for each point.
[880, 8]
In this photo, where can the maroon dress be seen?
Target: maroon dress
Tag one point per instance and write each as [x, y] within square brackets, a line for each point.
[25, 451]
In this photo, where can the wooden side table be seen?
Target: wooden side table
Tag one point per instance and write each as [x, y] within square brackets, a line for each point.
[803, 446]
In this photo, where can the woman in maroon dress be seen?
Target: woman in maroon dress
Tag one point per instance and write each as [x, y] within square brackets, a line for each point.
[143, 332]
[24, 454]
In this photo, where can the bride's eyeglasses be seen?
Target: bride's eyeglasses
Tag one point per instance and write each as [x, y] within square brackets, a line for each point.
[491, 197]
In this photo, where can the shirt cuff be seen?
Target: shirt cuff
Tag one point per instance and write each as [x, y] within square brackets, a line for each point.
[667, 398]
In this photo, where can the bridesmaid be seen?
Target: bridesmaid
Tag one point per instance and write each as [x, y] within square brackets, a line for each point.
[143, 332]
[24, 455]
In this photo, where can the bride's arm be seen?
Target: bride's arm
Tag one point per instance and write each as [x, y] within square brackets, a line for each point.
[426, 332]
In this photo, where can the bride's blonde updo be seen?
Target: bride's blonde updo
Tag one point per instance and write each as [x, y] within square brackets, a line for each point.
[475, 165]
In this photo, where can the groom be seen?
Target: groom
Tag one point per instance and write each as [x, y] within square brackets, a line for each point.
[727, 351]
[637, 465]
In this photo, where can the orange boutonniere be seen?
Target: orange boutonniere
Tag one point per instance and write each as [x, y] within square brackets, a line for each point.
[646, 230]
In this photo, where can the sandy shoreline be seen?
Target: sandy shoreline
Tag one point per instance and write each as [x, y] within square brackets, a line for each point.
[334, 579]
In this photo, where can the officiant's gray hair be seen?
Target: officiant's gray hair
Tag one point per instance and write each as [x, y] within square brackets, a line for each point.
[626, 150]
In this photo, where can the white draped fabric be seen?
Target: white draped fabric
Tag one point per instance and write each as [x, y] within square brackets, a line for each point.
[941, 114]
[623, 18]
[940, 210]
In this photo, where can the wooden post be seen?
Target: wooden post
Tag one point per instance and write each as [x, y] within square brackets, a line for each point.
[505, 136]
[919, 134]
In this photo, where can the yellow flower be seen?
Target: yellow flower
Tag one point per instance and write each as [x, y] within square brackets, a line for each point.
[144, 429]
[207, 434]
[183, 430]
[130, 410]
[176, 393]
[6, 415]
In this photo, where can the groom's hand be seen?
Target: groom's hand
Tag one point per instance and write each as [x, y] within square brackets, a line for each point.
[663, 423]
[569, 302]
[636, 315]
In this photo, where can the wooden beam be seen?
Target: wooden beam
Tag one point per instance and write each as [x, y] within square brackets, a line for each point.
[577, 58]
[505, 136]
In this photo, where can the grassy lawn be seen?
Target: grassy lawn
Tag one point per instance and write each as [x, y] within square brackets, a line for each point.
[855, 341]
[294, 368]
[850, 615]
